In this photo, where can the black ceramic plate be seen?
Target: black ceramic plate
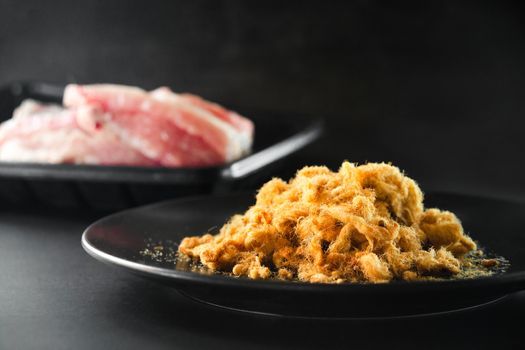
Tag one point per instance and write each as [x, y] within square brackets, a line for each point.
[496, 224]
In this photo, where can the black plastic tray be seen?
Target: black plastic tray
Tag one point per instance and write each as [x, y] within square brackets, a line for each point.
[117, 187]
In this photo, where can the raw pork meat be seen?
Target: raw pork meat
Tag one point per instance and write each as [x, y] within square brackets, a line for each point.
[51, 134]
[112, 124]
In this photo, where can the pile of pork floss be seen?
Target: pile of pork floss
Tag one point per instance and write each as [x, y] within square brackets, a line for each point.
[361, 224]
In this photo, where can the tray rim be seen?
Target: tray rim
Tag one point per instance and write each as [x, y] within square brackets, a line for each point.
[237, 169]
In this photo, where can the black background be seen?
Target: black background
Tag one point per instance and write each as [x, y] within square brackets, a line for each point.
[434, 87]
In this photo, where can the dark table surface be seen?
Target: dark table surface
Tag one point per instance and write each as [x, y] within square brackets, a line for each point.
[54, 296]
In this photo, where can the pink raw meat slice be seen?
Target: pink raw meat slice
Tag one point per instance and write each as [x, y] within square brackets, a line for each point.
[244, 126]
[50, 116]
[241, 124]
[238, 129]
[51, 134]
[213, 135]
[159, 139]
